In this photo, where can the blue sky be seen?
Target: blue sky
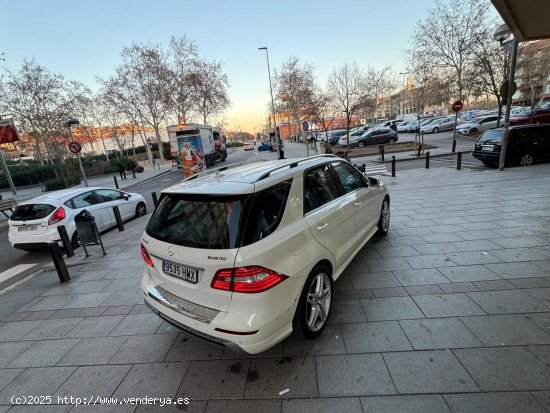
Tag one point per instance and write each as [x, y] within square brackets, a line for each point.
[83, 39]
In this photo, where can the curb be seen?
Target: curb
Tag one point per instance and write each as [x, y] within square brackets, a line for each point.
[147, 180]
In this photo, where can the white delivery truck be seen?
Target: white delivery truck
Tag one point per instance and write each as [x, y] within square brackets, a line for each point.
[196, 147]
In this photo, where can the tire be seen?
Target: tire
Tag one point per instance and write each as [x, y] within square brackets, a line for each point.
[391, 141]
[314, 307]
[473, 130]
[384, 220]
[436, 130]
[361, 144]
[141, 210]
[525, 160]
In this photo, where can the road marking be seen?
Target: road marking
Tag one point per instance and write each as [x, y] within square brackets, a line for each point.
[376, 170]
[13, 273]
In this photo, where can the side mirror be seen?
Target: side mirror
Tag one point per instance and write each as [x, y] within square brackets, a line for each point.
[126, 197]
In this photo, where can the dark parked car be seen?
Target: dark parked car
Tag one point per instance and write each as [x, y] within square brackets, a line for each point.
[335, 135]
[377, 136]
[526, 144]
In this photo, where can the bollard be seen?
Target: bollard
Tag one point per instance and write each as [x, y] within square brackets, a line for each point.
[118, 218]
[454, 146]
[381, 151]
[57, 258]
[459, 161]
[419, 149]
[393, 166]
[116, 182]
[65, 240]
[428, 160]
[155, 200]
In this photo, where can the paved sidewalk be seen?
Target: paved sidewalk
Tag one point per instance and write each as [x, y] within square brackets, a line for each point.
[28, 192]
[450, 312]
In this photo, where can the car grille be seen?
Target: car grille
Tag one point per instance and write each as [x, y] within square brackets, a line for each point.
[187, 308]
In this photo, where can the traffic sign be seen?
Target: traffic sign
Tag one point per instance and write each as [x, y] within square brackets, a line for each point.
[504, 89]
[457, 106]
[305, 126]
[75, 147]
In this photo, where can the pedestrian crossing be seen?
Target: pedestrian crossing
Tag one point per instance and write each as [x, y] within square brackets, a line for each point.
[376, 170]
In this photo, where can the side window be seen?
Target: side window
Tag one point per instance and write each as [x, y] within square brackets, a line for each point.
[266, 212]
[350, 178]
[320, 187]
[107, 195]
[84, 200]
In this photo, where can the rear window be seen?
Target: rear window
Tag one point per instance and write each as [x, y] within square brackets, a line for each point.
[219, 222]
[31, 211]
[491, 136]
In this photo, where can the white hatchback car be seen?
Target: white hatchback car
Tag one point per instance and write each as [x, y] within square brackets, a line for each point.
[34, 222]
[246, 255]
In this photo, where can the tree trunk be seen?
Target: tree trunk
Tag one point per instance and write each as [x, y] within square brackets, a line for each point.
[159, 142]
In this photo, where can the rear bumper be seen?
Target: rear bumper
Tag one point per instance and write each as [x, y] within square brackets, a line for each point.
[202, 321]
[30, 246]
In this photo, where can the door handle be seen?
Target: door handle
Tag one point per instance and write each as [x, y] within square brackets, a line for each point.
[358, 203]
[322, 226]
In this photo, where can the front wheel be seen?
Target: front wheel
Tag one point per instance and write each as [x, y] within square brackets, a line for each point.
[473, 130]
[141, 210]
[391, 140]
[384, 220]
[526, 160]
[436, 130]
[315, 303]
[361, 144]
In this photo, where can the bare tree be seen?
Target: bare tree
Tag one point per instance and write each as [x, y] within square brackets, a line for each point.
[182, 61]
[450, 35]
[322, 111]
[294, 89]
[346, 86]
[209, 88]
[533, 71]
[378, 85]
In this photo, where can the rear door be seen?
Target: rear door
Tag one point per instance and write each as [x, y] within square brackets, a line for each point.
[93, 204]
[111, 198]
[329, 214]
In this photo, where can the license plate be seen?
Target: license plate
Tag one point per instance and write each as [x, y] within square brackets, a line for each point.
[487, 148]
[24, 228]
[180, 271]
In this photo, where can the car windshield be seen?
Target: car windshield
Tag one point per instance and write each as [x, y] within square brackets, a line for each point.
[492, 136]
[31, 211]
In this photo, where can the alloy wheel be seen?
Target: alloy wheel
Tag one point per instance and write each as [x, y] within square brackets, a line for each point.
[319, 299]
[526, 160]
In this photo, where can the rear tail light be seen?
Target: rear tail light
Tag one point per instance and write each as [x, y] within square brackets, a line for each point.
[253, 279]
[146, 257]
[58, 215]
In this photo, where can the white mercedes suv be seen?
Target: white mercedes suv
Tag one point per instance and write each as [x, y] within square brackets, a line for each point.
[244, 255]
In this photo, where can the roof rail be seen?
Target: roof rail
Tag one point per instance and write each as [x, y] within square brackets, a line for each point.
[222, 168]
[294, 164]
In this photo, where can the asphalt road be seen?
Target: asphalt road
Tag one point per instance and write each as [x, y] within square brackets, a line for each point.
[12, 257]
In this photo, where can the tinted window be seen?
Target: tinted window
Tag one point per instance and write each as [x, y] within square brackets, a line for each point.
[265, 213]
[320, 187]
[107, 195]
[84, 200]
[349, 177]
[493, 136]
[197, 221]
[31, 211]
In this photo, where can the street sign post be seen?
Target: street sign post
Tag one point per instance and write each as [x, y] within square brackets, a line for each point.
[305, 127]
[75, 148]
[457, 107]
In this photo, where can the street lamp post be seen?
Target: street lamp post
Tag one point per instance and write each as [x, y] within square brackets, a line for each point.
[272, 104]
[70, 123]
[500, 35]
[403, 96]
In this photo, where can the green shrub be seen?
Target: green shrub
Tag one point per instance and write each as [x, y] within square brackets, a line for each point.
[54, 184]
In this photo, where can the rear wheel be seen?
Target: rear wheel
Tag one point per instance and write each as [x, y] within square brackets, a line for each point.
[525, 160]
[473, 130]
[361, 144]
[384, 221]
[315, 303]
[141, 210]
[436, 130]
[391, 140]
